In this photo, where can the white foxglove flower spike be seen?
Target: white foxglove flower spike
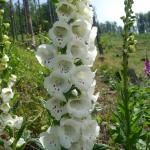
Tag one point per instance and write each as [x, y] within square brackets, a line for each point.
[71, 83]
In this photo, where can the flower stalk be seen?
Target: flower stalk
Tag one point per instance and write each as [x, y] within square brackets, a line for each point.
[71, 83]
[128, 23]
[124, 116]
[9, 123]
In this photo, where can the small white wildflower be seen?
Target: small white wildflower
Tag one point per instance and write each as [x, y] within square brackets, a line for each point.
[7, 94]
[50, 139]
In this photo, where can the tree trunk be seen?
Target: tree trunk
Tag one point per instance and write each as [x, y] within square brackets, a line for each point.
[53, 12]
[29, 21]
[37, 17]
[20, 21]
[12, 20]
[50, 13]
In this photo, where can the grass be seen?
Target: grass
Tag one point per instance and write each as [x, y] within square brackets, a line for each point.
[112, 44]
[30, 91]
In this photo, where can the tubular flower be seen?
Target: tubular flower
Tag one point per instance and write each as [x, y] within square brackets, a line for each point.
[71, 83]
[46, 54]
[65, 11]
[57, 84]
[56, 108]
[60, 34]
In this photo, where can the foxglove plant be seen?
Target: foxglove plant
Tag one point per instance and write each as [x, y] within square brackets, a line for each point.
[128, 118]
[9, 123]
[147, 67]
[71, 82]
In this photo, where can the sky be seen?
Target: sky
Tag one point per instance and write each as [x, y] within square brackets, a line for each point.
[112, 10]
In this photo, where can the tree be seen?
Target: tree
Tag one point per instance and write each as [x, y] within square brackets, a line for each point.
[29, 20]
[12, 21]
[141, 23]
[20, 21]
[96, 23]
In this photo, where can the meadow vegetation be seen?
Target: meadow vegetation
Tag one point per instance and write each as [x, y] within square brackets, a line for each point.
[30, 75]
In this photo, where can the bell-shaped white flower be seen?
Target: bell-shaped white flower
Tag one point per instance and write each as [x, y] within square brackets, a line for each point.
[79, 107]
[92, 36]
[5, 58]
[91, 56]
[69, 132]
[57, 84]
[85, 11]
[6, 119]
[60, 34]
[5, 107]
[2, 126]
[12, 80]
[65, 11]
[64, 64]
[78, 49]
[17, 122]
[80, 29]
[56, 108]
[83, 77]
[90, 130]
[20, 142]
[50, 140]
[14, 121]
[45, 55]
[7, 94]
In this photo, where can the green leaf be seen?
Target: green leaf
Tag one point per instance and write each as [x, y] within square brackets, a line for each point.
[19, 134]
[1, 142]
[101, 147]
[55, 1]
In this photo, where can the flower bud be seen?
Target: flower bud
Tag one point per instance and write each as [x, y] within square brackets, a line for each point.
[5, 38]
[1, 11]
[5, 59]
[6, 25]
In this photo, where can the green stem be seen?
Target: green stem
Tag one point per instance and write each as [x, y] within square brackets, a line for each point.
[126, 99]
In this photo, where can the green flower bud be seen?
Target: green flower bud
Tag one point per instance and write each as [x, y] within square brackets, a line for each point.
[5, 38]
[3, 66]
[1, 11]
[7, 43]
[131, 49]
[6, 25]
